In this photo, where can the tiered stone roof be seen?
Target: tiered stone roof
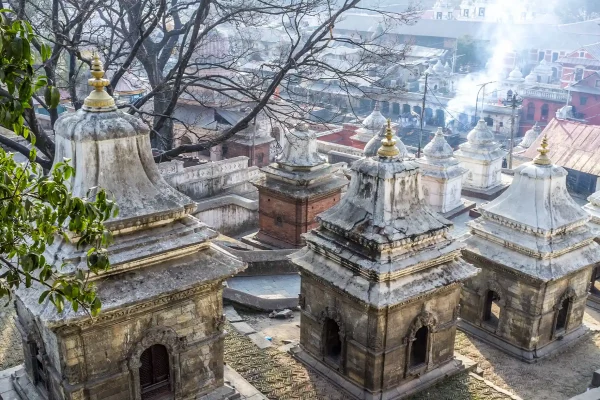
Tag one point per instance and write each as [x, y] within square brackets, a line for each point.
[480, 144]
[381, 244]
[438, 158]
[535, 227]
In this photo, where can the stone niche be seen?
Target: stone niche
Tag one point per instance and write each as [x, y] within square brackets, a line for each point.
[159, 334]
[380, 285]
[536, 253]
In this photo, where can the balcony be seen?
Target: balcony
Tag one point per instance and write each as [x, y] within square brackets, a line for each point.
[558, 96]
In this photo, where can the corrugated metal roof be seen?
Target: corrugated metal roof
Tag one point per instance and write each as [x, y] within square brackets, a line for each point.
[572, 145]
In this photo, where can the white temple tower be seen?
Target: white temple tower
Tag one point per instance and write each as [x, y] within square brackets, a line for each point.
[370, 126]
[442, 175]
[160, 330]
[482, 157]
[536, 253]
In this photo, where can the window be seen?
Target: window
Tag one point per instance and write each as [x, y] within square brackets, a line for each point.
[563, 314]
[449, 14]
[541, 55]
[554, 57]
[578, 74]
[154, 371]
[333, 344]
[481, 12]
[418, 350]
[466, 12]
[582, 54]
[530, 112]
[489, 121]
[501, 124]
[491, 313]
[439, 15]
[279, 221]
[583, 100]
[598, 83]
[545, 112]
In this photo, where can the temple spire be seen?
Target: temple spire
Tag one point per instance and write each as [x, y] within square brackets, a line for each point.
[542, 158]
[98, 100]
[388, 145]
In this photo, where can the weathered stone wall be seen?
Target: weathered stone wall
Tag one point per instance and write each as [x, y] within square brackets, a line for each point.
[527, 307]
[377, 341]
[230, 215]
[230, 176]
[105, 354]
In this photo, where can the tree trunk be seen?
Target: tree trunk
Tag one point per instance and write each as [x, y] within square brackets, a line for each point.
[163, 138]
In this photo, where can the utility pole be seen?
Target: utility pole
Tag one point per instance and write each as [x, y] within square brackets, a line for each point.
[422, 114]
[514, 103]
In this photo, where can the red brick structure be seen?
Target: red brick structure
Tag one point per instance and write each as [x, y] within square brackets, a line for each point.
[295, 189]
[252, 143]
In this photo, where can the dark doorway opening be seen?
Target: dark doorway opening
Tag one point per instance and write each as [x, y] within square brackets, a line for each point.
[333, 343]
[418, 351]
[491, 313]
[595, 289]
[154, 373]
[39, 371]
[563, 313]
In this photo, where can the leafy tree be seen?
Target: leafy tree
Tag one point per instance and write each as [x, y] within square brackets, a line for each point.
[578, 10]
[34, 207]
[471, 51]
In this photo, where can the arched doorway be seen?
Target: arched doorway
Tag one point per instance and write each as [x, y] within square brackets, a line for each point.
[418, 350]
[491, 310]
[530, 112]
[405, 108]
[563, 316]
[154, 372]
[332, 342]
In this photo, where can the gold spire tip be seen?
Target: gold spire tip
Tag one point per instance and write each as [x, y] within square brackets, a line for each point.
[388, 145]
[542, 158]
[98, 100]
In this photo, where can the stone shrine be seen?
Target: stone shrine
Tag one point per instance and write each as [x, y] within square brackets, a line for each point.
[370, 126]
[300, 185]
[529, 138]
[482, 157]
[442, 176]
[593, 209]
[536, 253]
[159, 334]
[253, 142]
[380, 284]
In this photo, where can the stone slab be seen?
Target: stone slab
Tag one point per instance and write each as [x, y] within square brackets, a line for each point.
[264, 292]
[485, 194]
[522, 354]
[496, 388]
[466, 206]
[259, 340]
[243, 328]
[231, 314]
[223, 393]
[244, 388]
[592, 394]
[353, 391]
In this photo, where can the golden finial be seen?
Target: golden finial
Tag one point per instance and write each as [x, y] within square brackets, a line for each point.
[542, 158]
[388, 145]
[98, 100]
